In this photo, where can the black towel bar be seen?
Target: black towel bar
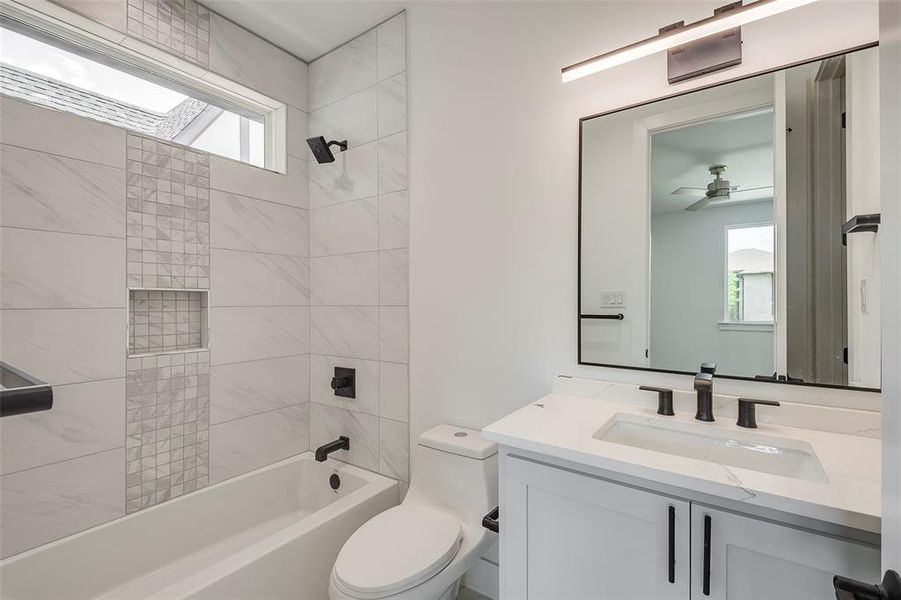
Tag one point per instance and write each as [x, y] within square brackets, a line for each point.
[616, 317]
[490, 521]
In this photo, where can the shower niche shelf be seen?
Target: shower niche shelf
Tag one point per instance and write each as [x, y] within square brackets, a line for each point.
[162, 321]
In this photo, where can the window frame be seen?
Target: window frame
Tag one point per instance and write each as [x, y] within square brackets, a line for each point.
[730, 324]
[69, 31]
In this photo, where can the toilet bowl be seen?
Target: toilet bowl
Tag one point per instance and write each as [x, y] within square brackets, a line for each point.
[421, 548]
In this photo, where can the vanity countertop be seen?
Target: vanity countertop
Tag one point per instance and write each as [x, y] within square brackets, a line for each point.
[565, 427]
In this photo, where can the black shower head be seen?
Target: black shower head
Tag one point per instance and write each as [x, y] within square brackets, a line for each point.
[321, 149]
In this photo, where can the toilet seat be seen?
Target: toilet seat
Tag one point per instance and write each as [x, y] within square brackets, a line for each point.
[396, 550]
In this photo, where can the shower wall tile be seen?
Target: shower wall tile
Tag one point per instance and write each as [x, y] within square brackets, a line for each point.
[31, 340]
[63, 134]
[297, 133]
[249, 388]
[392, 102]
[244, 223]
[44, 504]
[167, 413]
[344, 71]
[393, 333]
[393, 393]
[240, 334]
[392, 46]
[322, 369]
[394, 221]
[394, 449]
[329, 422]
[53, 193]
[393, 163]
[345, 228]
[228, 175]
[348, 331]
[353, 176]
[166, 321]
[180, 27]
[253, 279]
[87, 418]
[248, 59]
[354, 118]
[59, 270]
[109, 12]
[345, 279]
[393, 277]
[252, 442]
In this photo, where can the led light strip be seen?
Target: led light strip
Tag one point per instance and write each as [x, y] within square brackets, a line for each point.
[682, 35]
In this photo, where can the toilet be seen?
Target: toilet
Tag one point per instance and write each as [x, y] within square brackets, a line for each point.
[421, 548]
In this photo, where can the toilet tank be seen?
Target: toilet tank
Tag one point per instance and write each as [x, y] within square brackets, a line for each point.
[456, 470]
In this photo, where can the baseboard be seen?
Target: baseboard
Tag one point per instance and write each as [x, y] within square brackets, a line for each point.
[483, 578]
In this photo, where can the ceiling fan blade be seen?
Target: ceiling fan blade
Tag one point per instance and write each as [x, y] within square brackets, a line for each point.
[688, 191]
[699, 204]
[763, 187]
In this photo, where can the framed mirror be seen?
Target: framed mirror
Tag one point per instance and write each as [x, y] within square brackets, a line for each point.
[737, 224]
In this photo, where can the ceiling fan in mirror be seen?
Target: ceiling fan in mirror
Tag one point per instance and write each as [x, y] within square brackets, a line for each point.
[718, 191]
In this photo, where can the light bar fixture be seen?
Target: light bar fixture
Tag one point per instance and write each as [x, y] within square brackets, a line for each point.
[679, 36]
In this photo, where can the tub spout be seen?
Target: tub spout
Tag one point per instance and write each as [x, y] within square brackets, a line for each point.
[342, 443]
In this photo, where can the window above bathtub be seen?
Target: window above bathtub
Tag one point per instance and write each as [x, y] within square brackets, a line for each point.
[52, 64]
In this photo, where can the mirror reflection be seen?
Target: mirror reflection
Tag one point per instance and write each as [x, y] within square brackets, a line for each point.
[712, 229]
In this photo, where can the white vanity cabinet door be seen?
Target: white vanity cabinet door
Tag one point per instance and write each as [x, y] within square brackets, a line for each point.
[752, 559]
[575, 537]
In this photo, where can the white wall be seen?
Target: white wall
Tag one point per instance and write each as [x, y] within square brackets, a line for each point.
[493, 183]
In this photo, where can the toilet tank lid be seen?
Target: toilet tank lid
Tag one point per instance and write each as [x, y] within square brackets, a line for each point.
[458, 440]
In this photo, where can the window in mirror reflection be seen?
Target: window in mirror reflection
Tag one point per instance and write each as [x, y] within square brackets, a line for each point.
[750, 273]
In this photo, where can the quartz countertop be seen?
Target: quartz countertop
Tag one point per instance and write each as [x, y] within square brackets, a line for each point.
[564, 427]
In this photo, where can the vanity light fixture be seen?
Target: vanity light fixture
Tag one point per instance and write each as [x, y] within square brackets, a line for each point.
[727, 18]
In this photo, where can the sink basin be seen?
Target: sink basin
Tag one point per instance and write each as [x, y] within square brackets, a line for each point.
[752, 451]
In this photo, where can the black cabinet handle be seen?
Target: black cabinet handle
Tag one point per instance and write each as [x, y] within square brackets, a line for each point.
[706, 555]
[672, 544]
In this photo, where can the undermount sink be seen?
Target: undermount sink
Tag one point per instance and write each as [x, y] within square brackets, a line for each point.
[752, 451]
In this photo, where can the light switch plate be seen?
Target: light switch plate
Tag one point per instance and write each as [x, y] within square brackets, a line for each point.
[613, 299]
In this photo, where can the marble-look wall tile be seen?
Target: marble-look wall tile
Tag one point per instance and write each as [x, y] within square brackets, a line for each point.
[87, 418]
[392, 102]
[252, 61]
[353, 118]
[393, 333]
[108, 12]
[249, 443]
[327, 423]
[44, 269]
[393, 163]
[344, 228]
[353, 176]
[298, 133]
[344, 71]
[64, 134]
[249, 388]
[243, 223]
[393, 392]
[44, 504]
[322, 369]
[166, 320]
[31, 340]
[240, 334]
[393, 276]
[254, 279]
[345, 279]
[180, 27]
[289, 188]
[350, 331]
[53, 193]
[392, 46]
[394, 449]
[394, 221]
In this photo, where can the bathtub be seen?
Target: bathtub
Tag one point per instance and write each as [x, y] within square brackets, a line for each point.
[272, 533]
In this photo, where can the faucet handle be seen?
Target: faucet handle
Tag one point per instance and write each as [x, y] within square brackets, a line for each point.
[708, 367]
[747, 412]
[664, 399]
[704, 381]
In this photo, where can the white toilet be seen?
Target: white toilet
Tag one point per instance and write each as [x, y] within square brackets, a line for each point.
[420, 549]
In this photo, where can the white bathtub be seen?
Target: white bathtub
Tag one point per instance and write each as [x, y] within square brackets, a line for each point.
[272, 533]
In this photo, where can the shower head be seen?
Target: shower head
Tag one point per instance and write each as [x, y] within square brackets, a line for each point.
[321, 149]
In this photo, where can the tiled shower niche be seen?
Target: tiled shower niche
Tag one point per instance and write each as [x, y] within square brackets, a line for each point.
[165, 320]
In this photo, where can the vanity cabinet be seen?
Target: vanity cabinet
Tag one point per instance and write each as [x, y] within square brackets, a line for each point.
[566, 534]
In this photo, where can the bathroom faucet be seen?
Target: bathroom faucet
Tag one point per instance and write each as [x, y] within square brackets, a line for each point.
[342, 443]
[704, 388]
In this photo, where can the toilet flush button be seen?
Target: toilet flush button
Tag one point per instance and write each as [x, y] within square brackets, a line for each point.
[461, 434]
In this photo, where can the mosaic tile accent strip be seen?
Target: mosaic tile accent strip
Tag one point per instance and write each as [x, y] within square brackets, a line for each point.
[167, 427]
[166, 321]
[180, 27]
[168, 201]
